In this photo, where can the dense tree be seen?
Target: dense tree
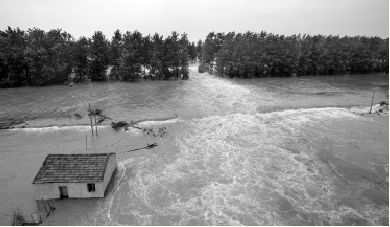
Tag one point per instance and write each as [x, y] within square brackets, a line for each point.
[146, 52]
[157, 55]
[99, 57]
[131, 56]
[37, 57]
[251, 54]
[199, 47]
[14, 67]
[192, 51]
[59, 50]
[80, 58]
[184, 56]
[171, 53]
[115, 54]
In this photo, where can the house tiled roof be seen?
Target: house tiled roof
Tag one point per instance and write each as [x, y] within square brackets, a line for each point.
[73, 168]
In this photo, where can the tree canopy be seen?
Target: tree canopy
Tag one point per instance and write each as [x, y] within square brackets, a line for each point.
[36, 57]
[248, 55]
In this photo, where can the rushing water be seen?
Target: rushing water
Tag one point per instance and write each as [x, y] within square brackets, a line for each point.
[272, 151]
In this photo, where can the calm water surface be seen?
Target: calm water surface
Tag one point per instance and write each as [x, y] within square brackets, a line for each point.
[272, 151]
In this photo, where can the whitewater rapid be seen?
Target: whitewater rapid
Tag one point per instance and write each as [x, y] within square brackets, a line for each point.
[270, 151]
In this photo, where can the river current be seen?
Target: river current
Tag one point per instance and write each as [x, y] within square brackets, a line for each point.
[270, 151]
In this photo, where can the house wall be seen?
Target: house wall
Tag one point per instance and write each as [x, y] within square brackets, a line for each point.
[111, 166]
[75, 190]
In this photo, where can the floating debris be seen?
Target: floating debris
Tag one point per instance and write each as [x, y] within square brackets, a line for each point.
[148, 131]
[18, 218]
[100, 120]
[105, 117]
[118, 125]
[148, 146]
[7, 124]
[383, 108]
[95, 111]
[77, 116]
[162, 132]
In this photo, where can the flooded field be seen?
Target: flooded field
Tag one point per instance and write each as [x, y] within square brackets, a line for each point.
[271, 151]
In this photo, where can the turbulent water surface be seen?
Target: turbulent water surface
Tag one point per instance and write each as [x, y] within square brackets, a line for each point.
[272, 151]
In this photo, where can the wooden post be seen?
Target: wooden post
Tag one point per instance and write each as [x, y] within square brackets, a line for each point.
[96, 126]
[51, 205]
[39, 208]
[372, 101]
[90, 116]
[43, 204]
[14, 220]
[48, 213]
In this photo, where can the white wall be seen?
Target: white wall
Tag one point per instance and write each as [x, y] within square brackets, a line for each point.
[111, 166]
[75, 190]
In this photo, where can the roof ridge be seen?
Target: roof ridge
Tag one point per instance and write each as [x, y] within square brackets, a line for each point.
[80, 154]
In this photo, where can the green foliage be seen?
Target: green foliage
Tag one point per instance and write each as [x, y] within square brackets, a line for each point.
[249, 55]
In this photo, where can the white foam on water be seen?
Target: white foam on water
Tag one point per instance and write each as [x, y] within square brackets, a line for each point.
[121, 172]
[134, 131]
[239, 165]
[308, 114]
[240, 169]
[366, 109]
[158, 122]
[80, 128]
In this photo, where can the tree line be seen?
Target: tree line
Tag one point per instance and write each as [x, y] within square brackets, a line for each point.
[35, 57]
[251, 55]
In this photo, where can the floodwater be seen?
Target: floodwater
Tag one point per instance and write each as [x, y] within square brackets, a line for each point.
[271, 151]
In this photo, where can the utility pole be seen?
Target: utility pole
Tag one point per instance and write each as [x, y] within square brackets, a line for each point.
[372, 101]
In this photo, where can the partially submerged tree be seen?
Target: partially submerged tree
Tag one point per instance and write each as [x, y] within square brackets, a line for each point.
[130, 59]
[115, 54]
[99, 57]
[37, 57]
[249, 54]
[80, 58]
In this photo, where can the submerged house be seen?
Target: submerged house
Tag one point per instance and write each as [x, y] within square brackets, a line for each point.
[74, 175]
